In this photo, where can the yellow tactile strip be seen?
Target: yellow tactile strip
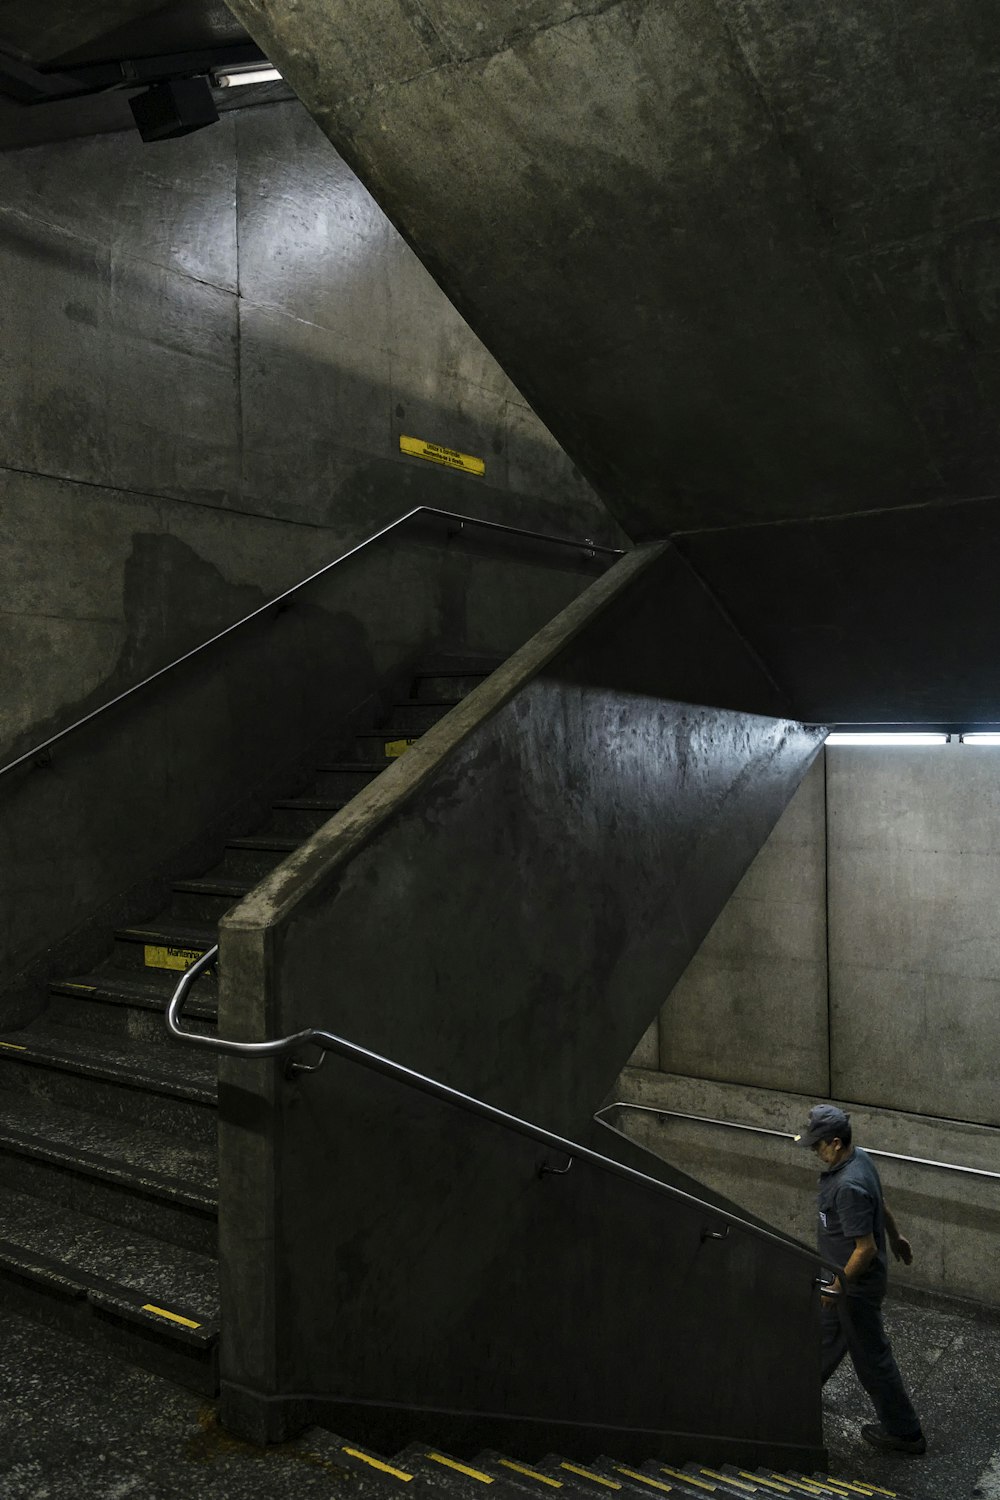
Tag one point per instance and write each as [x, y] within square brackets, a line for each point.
[453, 1463]
[377, 1463]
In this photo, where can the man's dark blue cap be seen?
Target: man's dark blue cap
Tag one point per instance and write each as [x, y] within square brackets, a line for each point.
[825, 1121]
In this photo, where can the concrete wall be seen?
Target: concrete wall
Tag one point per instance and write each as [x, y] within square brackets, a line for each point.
[859, 959]
[598, 818]
[209, 350]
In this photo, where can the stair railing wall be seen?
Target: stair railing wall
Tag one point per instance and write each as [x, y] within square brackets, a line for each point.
[505, 911]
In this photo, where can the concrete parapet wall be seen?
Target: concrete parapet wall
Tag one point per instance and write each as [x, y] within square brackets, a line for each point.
[501, 910]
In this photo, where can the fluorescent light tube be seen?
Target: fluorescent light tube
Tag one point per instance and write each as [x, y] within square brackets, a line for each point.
[981, 737]
[888, 737]
[236, 77]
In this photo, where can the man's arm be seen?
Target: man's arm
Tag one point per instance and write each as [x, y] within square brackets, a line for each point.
[899, 1246]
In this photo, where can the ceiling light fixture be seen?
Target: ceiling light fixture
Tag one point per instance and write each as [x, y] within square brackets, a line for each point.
[238, 77]
[981, 737]
[887, 738]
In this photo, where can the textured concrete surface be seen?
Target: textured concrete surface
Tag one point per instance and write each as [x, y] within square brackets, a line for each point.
[77, 1421]
[545, 859]
[742, 263]
[914, 933]
[863, 938]
[211, 348]
[951, 1219]
[761, 973]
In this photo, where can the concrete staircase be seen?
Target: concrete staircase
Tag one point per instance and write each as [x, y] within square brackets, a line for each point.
[419, 1470]
[108, 1157]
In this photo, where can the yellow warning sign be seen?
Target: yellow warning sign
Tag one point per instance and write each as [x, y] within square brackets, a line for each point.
[397, 747]
[171, 958]
[435, 454]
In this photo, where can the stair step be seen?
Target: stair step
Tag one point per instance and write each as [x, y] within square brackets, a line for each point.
[131, 1002]
[579, 1474]
[172, 1089]
[206, 887]
[312, 804]
[527, 1478]
[452, 1476]
[206, 899]
[127, 1176]
[267, 843]
[415, 718]
[375, 1475]
[385, 746]
[689, 1481]
[119, 1288]
[163, 944]
[445, 687]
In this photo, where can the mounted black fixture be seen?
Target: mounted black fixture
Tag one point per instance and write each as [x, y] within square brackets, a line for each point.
[176, 95]
[174, 108]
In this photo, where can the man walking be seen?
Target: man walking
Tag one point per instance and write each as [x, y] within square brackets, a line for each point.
[853, 1225]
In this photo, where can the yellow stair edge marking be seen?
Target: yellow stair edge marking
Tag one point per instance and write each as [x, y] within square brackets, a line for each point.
[509, 1463]
[377, 1463]
[13, 1047]
[869, 1489]
[836, 1486]
[395, 748]
[769, 1484]
[806, 1486]
[612, 1484]
[68, 986]
[728, 1478]
[452, 1463]
[700, 1484]
[162, 1312]
[657, 1484]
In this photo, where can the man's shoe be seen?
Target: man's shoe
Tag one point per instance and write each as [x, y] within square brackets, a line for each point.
[889, 1444]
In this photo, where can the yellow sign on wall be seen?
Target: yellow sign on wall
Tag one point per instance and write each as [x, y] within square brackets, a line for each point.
[435, 454]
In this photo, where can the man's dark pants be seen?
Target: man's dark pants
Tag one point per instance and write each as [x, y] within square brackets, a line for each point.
[853, 1325]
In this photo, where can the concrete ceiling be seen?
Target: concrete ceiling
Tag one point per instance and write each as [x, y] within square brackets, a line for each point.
[743, 257]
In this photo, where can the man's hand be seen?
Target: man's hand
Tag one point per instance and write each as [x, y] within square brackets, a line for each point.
[900, 1247]
[837, 1290]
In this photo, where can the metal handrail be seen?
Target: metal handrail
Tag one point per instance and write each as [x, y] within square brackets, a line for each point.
[585, 546]
[675, 1114]
[327, 1041]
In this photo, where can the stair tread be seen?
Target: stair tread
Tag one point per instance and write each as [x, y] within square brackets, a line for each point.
[266, 843]
[120, 1059]
[346, 765]
[110, 1148]
[99, 1256]
[212, 886]
[149, 988]
[313, 804]
[166, 932]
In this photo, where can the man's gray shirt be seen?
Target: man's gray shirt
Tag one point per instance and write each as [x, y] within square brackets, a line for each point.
[850, 1206]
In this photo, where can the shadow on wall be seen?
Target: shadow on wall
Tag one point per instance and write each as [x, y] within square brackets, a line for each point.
[140, 378]
[172, 600]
